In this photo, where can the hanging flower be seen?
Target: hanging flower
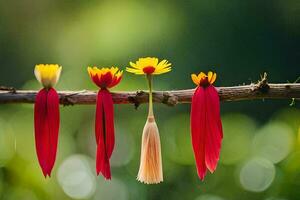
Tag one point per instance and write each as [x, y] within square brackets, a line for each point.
[104, 78]
[46, 116]
[206, 126]
[150, 171]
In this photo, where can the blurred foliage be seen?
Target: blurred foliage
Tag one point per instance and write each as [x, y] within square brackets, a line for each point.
[260, 158]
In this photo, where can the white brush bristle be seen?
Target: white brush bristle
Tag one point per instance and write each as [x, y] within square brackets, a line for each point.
[150, 171]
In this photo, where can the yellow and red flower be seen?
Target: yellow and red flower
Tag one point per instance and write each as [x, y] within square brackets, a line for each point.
[204, 80]
[104, 78]
[46, 116]
[206, 125]
[149, 66]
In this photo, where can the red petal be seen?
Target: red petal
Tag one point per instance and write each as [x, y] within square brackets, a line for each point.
[53, 122]
[96, 80]
[214, 128]
[40, 110]
[46, 124]
[105, 80]
[104, 132]
[198, 130]
[115, 81]
[109, 122]
[102, 161]
[99, 118]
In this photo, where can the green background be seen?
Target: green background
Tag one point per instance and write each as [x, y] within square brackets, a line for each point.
[239, 40]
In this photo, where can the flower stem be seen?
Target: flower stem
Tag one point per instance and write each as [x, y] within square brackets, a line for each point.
[149, 78]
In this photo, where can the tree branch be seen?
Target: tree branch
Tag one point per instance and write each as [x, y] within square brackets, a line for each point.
[261, 90]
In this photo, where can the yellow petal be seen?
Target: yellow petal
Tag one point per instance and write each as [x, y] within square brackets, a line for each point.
[135, 71]
[134, 65]
[201, 75]
[195, 79]
[58, 72]
[213, 78]
[209, 76]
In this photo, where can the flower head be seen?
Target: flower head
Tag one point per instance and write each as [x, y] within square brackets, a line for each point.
[204, 80]
[149, 66]
[47, 74]
[105, 77]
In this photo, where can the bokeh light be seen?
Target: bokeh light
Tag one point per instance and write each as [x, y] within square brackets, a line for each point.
[289, 116]
[76, 178]
[274, 141]
[257, 174]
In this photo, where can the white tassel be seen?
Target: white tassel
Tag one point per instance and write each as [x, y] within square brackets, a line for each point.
[150, 171]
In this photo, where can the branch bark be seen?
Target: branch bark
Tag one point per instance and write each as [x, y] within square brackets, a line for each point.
[261, 90]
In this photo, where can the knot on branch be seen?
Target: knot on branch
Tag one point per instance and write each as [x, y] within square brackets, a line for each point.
[135, 99]
[169, 99]
[67, 99]
[262, 85]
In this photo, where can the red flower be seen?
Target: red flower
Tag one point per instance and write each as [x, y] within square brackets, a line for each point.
[206, 126]
[104, 123]
[46, 117]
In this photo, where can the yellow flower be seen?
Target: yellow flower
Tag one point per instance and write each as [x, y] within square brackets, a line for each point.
[47, 74]
[149, 66]
[204, 80]
[105, 77]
